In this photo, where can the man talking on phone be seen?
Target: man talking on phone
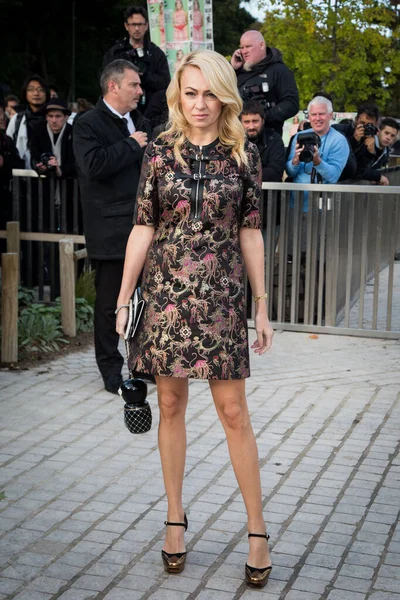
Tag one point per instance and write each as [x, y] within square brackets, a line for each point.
[262, 76]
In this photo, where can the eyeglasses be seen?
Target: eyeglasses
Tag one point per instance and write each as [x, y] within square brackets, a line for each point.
[136, 24]
[35, 89]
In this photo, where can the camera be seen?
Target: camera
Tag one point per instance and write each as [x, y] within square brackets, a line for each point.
[44, 158]
[137, 57]
[308, 139]
[370, 130]
[257, 93]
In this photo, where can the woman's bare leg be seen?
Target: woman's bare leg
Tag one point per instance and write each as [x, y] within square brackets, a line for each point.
[172, 400]
[230, 402]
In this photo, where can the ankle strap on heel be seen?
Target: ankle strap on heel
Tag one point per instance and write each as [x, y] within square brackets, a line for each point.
[185, 524]
[261, 535]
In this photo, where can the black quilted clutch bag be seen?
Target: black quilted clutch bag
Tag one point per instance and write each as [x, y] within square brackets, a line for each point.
[137, 411]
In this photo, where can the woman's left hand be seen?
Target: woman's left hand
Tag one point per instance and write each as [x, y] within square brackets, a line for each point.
[265, 333]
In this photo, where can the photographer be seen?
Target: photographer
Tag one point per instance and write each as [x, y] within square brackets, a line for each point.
[361, 137]
[53, 156]
[51, 144]
[268, 142]
[263, 77]
[319, 154]
[139, 50]
[384, 140]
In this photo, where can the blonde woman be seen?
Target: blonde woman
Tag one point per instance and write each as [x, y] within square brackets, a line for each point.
[196, 227]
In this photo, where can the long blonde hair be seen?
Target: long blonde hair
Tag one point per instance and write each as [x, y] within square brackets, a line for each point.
[221, 78]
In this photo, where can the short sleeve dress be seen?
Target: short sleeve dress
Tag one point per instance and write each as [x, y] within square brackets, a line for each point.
[194, 324]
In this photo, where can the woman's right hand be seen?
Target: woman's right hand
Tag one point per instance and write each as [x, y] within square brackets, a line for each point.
[122, 320]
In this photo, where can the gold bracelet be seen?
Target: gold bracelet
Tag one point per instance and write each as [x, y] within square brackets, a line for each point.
[262, 297]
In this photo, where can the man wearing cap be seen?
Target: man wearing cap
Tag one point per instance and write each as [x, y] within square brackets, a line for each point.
[51, 144]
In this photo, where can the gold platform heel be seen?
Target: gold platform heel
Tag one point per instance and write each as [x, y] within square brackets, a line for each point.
[257, 577]
[175, 562]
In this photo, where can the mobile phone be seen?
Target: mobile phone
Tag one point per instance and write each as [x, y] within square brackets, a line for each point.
[238, 56]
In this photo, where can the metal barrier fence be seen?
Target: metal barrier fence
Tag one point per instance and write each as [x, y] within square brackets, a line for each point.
[320, 262]
[44, 204]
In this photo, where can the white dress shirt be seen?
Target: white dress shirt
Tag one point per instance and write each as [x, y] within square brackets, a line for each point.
[127, 116]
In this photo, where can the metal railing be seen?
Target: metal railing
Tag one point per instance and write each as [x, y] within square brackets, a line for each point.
[331, 269]
[320, 262]
[44, 205]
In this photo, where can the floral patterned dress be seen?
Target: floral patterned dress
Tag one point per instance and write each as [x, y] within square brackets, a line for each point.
[194, 323]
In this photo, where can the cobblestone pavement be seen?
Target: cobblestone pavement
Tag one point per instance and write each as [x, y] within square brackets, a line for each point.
[384, 277]
[83, 503]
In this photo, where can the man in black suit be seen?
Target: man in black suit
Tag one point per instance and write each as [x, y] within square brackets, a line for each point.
[109, 143]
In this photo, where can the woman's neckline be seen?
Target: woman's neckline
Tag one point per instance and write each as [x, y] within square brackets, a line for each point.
[203, 146]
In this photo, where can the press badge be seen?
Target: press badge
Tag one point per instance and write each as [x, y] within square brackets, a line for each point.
[265, 86]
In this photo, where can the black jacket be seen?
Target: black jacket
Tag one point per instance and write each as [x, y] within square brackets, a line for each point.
[378, 161]
[108, 162]
[153, 66]
[271, 83]
[362, 156]
[273, 155]
[157, 109]
[40, 143]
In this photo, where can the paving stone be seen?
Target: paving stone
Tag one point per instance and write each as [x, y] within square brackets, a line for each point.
[320, 573]
[345, 595]
[384, 596]
[306, 584]
[120, 594]
[323, 560]
[32, 595]
[47, 584]
[357, 571]
[92, 582]
[74, 594]
[205, 595]
[352, 583]
[181, 584]
[389, 585]
[8, 586]
[392, 559]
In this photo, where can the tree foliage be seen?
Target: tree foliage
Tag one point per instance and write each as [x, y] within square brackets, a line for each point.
[347, 48]
[38, 39]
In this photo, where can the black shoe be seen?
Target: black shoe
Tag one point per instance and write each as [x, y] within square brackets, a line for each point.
[112, 383]
[175, 562]
[255, 577]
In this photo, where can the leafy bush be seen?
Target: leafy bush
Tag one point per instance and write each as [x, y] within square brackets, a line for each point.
[25, 296]
[39, 332]
[85, 287]
[84, 315]
[39, 325]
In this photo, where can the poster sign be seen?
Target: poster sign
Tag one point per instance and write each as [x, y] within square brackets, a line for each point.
[179, 26]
